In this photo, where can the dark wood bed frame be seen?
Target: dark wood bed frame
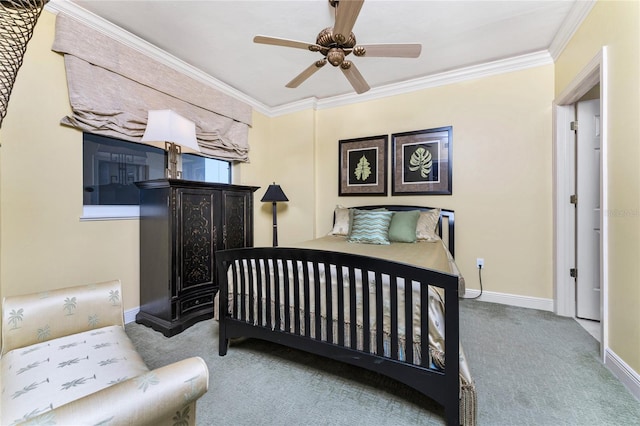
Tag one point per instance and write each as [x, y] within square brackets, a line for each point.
[443, 386]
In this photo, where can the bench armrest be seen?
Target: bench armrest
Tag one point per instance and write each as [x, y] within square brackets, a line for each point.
[164, 396]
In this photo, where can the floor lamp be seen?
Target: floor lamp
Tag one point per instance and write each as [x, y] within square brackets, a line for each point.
[273, 195]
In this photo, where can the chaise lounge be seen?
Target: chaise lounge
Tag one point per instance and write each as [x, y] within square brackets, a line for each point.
[66, 359]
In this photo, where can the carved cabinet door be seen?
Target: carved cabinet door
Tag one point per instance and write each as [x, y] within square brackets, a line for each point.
[237, 213]
[197, 223]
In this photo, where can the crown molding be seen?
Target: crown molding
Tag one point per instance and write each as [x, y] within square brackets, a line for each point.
[502, 66]
[304, 104]
[449, 77]
[570, 25]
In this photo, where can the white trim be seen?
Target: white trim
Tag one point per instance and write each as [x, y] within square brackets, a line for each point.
[502, 66]
[604, 199]
[110, 213]
[130, 315]
[463, 74]
[627, 376]
[512, 300]
[570, 25]
[594, 72]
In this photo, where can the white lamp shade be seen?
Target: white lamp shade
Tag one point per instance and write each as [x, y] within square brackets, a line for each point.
[165, 125]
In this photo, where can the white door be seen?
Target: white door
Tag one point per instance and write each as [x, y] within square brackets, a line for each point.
[588, 210]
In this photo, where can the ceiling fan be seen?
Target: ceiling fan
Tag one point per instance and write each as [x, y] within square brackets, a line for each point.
[337, 42]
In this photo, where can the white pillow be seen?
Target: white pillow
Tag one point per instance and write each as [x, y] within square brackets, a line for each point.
[427, 223]
[342, 222]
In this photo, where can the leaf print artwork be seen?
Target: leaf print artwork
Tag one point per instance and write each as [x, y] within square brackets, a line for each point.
[70, 362]
[192, 394]
[421, 160]
[31, 366]
[109, 362]
[46, 419]
[76, 382]
[181, 418]
[70, 305]
[93, 320]
[44, 333]
[28, 388]
[15, 317]
[147, 380]
[363, 169]
[114, 297]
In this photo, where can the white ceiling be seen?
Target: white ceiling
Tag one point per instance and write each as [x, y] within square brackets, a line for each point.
[216, 36]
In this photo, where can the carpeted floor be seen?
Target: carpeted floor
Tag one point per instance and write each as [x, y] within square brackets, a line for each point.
[530, 367]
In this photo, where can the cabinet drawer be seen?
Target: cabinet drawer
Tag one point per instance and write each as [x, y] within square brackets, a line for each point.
[197, 303]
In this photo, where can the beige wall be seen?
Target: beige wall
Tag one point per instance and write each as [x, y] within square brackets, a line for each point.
[501, 170]
[616, 24]
[282, 151]
[44, 244]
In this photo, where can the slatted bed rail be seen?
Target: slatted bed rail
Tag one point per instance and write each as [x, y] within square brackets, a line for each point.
[290, 296]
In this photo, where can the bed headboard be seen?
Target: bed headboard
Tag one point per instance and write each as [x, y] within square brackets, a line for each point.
[446, 224]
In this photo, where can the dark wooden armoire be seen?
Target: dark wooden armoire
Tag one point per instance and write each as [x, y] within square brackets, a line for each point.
[182, 224]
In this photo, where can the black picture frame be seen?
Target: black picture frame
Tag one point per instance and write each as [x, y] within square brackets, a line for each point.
[362, 166]
[422, 162]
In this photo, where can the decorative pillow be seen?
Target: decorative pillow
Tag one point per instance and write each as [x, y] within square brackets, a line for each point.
[342, 221]
[403, 226]
[427, 223]
[370, 227]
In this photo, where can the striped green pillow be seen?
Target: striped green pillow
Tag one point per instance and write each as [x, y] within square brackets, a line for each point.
[370, 227]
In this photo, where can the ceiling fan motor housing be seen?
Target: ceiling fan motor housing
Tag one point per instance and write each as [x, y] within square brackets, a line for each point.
[334, 49]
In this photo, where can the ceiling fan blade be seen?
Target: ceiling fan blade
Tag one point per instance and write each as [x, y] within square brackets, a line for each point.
[389, 50]
[355, 78]
[297, 81]
[346, 14]
[283, 42]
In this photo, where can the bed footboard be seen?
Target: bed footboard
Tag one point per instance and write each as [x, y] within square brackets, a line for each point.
[364, 311]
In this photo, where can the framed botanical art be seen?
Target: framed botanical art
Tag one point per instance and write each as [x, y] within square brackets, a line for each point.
[363, 166]
[422, 162]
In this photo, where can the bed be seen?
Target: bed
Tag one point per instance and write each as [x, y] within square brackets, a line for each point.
[360, 301]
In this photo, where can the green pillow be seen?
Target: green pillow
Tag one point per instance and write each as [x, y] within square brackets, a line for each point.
[403, 226]
[370, 227]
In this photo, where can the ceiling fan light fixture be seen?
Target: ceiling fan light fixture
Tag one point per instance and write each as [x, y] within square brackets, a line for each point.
[335, 56]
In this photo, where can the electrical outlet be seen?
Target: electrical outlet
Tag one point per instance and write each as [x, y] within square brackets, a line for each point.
[480, 263]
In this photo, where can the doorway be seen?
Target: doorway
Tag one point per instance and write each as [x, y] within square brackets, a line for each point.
[568, 239]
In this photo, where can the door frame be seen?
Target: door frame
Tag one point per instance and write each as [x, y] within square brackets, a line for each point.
[564, 186]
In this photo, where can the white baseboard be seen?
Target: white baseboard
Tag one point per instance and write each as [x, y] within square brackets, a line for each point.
[512, 299]
[130, 315]
[629, 378]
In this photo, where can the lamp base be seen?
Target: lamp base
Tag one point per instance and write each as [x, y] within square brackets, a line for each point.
[275, 225]
[174, 165]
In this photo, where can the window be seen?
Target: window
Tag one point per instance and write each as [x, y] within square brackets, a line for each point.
[111, 167]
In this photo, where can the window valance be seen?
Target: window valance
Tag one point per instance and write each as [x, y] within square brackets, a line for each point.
[112, 86]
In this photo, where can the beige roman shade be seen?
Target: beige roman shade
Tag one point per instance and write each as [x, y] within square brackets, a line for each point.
[112, 86]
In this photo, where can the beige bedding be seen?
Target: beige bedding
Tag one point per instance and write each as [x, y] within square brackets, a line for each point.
[425, 254]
